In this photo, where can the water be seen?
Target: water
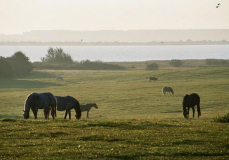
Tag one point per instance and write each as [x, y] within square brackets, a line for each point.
[125, 53]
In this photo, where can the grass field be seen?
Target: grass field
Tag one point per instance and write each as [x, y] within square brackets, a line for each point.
[134, 119]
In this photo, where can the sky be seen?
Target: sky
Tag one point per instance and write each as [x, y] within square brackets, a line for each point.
[19, 16]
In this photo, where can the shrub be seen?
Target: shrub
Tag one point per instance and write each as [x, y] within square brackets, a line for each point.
[216, 62]
[224, 119]
[6, 69]
[175, 63]
[83, 65]
[21, 64]
[152, 66]
[57, 56]
[212, 62]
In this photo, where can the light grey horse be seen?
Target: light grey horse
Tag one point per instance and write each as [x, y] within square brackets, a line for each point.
[59, 78]
[87, 107]
[167, 89]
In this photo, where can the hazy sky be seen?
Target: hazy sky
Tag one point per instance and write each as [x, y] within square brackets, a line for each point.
[18, 16]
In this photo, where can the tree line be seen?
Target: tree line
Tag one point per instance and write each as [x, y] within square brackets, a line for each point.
[56, 58]
[18, 65]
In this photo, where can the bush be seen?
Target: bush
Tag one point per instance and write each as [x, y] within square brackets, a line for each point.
[152, 66]
[57, 56]
[175, 63]
[224, 119]
[20, 63]
[6, 69]
[216, 62]
[83, 65]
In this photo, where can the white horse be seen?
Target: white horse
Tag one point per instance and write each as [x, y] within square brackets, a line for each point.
[59, 78]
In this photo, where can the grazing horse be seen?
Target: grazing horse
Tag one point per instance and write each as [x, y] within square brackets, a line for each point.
[87, 107]
[189, 101]
[35, 101]
[59, 78]
[67, 103]
[167, 89]
[153, 78]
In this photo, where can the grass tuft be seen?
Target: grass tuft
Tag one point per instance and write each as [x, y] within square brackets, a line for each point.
[223, 119]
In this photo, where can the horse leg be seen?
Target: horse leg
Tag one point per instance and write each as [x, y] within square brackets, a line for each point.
[35, 113]
[69, 114]
[46, 113]
[66, 112]
[87, 114]
[48, 110]
[53, 112]
[198, 109]
[188, 112]
[193, 109]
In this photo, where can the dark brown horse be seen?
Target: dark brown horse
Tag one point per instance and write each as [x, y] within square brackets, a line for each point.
[67, 103]
[153, 78]
[35, 101]
[189, 101]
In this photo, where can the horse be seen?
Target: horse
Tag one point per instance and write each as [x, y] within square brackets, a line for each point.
[87, 107]
[35, 101]
[67, 103]
[189, 101]
[153, 78]
[167, 89]
[59, 78]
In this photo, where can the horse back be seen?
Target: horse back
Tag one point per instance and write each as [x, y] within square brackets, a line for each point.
[63, 102]
[48, 99]
[191, 100]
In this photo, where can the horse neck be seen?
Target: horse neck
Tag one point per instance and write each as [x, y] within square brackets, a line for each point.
[90, 106]
[27, 107]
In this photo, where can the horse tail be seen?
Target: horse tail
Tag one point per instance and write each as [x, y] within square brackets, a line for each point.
[55, 112]
[198, 106]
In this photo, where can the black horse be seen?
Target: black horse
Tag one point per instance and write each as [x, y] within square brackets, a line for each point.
[189, 101]
[35, 101]
[67, 103]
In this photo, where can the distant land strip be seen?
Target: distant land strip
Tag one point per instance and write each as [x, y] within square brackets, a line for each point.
[188, 42]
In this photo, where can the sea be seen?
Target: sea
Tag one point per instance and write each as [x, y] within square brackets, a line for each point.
[124, 53]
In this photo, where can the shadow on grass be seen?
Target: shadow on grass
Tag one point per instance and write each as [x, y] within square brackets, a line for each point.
[9, 120]
[38, 75]
[129, 125]
[5, 117]
[15, 83]
[189, 142]
[100, 138]
[157, 155]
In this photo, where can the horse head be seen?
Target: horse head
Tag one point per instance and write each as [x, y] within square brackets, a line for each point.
[185, 113]
[95, 105]
[185, 104]
[78, 116]
[26, 114]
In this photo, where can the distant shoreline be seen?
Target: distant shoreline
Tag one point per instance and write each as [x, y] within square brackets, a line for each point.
[224, 42]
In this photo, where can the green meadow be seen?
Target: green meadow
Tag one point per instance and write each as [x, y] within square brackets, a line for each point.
[134, 119]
